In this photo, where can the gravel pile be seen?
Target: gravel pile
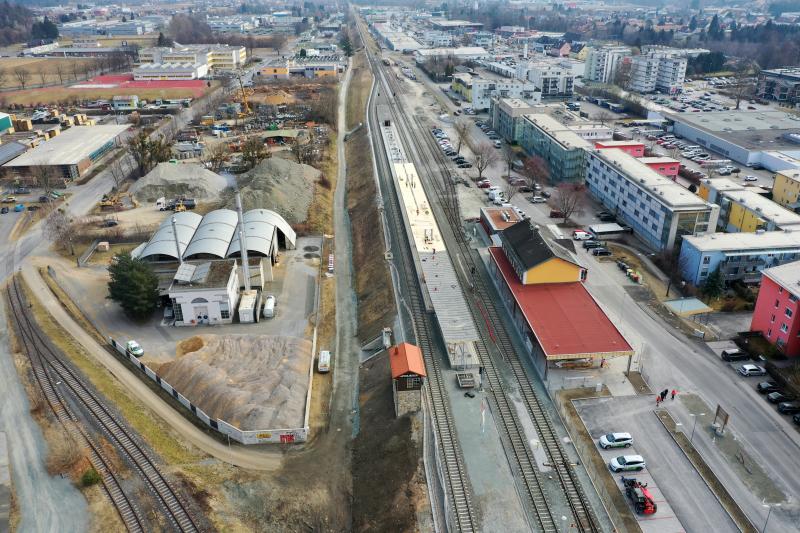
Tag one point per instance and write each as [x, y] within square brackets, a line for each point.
[278, 184]
[250, 381]
[170, 180]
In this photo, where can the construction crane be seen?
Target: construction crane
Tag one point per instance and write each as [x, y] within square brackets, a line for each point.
[245, 104]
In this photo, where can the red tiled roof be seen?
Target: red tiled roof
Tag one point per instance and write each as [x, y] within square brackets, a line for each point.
[406, 358]
[564, 317]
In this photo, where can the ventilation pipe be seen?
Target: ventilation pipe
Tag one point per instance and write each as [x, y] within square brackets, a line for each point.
[177, 243]
[243, 243]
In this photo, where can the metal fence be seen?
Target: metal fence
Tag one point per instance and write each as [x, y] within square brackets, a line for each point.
[442, 520]
[258, 436]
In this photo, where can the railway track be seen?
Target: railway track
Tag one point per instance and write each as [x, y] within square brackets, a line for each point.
[51, 370]
[486, 311]
[456, 481]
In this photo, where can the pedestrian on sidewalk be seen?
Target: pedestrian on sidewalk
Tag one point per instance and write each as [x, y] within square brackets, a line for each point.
[658, 400]
[674, 392]
[664, 394]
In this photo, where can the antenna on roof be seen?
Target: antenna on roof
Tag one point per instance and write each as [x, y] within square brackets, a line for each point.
[177, 243]
[243, 243]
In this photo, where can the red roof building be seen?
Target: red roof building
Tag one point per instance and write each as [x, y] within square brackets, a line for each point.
[634, 148]
[560, 321]
[408, 374]
[406, 359]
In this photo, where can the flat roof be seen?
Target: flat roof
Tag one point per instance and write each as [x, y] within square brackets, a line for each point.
[766, 208]
[743, 243]
[753, 130]
[655, 160]
[722, 184]
[613, 144]
[787, 275]
[660, 187]
[791, 173]
[70, 147]
[558, 131]
[498, 220]
[566, 320]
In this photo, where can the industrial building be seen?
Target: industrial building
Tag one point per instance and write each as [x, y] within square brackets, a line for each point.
[72, 152]
[739, 256]
[743, 136]
[220, 57]
[464, 53]
[309, 67]
[562, 149]
[542, 288]
[658, 210]
[170, 71]
[205, 293]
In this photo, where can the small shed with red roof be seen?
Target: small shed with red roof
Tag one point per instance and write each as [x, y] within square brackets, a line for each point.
[408, 376]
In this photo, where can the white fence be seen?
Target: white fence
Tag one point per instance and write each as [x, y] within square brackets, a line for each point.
[257, 436]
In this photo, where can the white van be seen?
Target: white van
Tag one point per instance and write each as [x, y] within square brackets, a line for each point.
[269, 307]
[324, 363]
[580, 235]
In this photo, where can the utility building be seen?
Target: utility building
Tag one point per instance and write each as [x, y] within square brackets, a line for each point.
[206, 293]
[408, 375]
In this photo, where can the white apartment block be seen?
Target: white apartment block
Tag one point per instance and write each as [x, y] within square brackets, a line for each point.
[552, 79]
[657, 71]
[602, 62]
[479, 91]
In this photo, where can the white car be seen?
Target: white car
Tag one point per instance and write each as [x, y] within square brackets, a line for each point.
[538, 199]
[752, 370]
[581, 235]
[625, 463]
[615, 440]
[750, 178]
[134, 349]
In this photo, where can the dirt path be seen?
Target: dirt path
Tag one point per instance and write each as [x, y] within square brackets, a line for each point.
[250, 458]
[46, 503]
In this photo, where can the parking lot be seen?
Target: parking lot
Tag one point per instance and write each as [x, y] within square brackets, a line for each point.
[684, 501]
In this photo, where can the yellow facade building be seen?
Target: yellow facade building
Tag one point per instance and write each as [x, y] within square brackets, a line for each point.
[786, 190]
[535, 261]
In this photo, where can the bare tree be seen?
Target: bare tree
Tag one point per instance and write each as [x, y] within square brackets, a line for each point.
[301, 150]
[744, 87]
[42, 75]
[60, 72]
[510, 191]
[3, 76]
[47, 178]
[119, 170]
[60, 229]
[23, 75]
[568, 199]
[536, 170]
[215, 157]
[253, 151]
[603, 117]
[485, 156]
[509, 156]
[462, 131]
[75, 70]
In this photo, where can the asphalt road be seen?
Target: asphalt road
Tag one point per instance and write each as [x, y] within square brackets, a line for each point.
[673, 361]
[675, 478]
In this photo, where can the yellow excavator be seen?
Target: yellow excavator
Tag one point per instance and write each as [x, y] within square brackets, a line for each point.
[179, 207]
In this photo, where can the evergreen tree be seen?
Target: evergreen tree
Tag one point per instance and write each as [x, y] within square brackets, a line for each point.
[713, 285]
[134, 286]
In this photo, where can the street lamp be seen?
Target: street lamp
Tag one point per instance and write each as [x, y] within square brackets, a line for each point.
[769, 513]
[695, 416]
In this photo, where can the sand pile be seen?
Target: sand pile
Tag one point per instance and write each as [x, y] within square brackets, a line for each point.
[170, 180]
[250, 381]
[278, 184]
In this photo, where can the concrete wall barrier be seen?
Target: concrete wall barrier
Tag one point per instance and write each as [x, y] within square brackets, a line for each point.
[258, 436]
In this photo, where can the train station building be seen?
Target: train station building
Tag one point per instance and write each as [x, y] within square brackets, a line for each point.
[542, 288]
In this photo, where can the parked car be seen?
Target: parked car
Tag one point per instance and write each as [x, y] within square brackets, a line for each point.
[591, 245]
[581, 235]
[537, 199]
[134, 349]
[484, 184]
[601, 252]
[3, 211]
[545, 194]
[789, 408]
[555, 213]
[765, 387]
[734, 354]
[752, 370]
[615, 440]
[779, 397]
[607, 218]
[465, 165]
[625, 463]
[750, 178]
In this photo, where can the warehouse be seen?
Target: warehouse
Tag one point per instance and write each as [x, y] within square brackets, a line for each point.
[215, 236]
[72, 153]
[170, 71]
[743, 136]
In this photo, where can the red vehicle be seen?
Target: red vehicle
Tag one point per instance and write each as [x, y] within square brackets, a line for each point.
[643, 502]
[484, 184]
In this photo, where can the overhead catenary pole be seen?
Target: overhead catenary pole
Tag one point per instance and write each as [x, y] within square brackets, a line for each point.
[243, 243]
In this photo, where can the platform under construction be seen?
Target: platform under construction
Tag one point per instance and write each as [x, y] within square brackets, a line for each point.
[441, 289]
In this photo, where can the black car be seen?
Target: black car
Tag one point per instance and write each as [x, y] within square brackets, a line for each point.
[525, 188]
[779, 397]
[590, 245]
[465, 165]
[545, 194]
[796, 419]
[607, 218]
[604, 213]
[3, 211]
[789, 408]
[766, 387]
[601, 252]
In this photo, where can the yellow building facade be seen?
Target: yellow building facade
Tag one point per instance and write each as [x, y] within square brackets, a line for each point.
[554, 270]
[786, 190]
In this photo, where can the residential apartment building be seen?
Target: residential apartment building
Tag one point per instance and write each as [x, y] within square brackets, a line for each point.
[553, 79]
[507, 116]
[602, 62]
[739, 256]
[743, 210]
[478, 91]
[786, 189]
[634, 148]
[776, 315]
[657, 71]
[438, 39]
[780, 84]
[659, 211]
[562, 149]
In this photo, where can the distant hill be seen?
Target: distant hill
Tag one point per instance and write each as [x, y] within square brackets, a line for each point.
[15, 23]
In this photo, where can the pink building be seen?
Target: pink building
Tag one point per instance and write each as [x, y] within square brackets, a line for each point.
[776, 312]
[636, 149]
[666, 166]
